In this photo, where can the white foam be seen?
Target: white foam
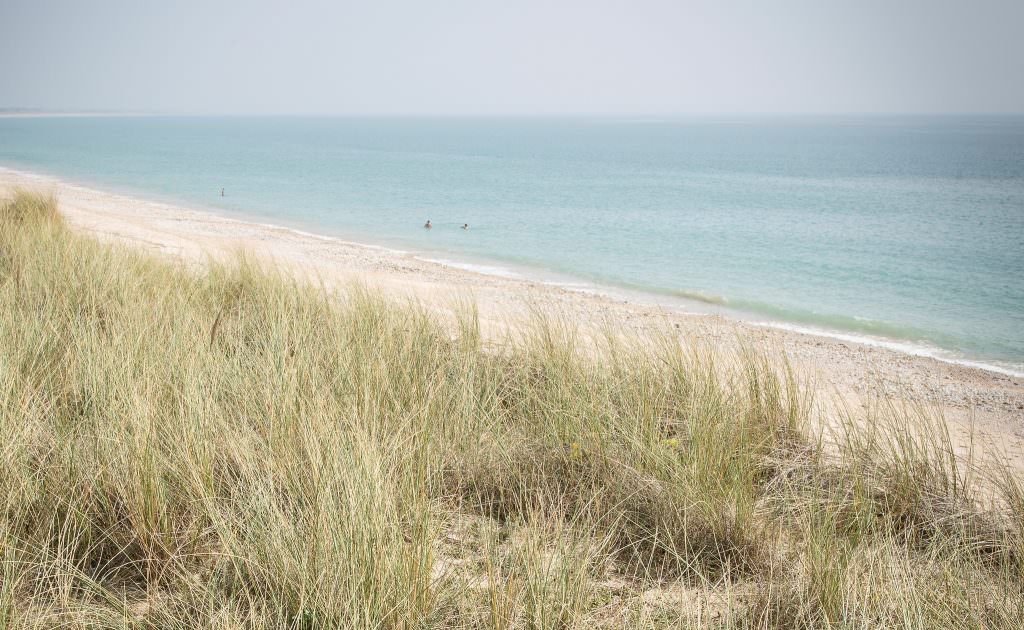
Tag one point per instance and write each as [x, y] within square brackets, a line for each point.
[903, 347]
[487, 270]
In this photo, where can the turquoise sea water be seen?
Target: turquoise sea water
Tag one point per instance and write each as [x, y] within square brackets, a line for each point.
[904, 228]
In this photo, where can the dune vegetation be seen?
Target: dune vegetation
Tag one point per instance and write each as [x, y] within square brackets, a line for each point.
[230, 447]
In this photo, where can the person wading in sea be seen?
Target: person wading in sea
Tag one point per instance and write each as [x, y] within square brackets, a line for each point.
[427, 225]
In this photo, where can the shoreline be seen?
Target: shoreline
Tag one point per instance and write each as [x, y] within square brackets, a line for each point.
[856, 368]
[651, 298]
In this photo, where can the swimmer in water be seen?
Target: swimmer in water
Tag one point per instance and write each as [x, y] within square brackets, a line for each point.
[221, 192]
[427, 225]
[465, 226]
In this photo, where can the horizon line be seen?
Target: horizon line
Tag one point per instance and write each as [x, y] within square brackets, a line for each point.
[26, 112]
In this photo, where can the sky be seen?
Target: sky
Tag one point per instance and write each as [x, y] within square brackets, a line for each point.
[517, 57]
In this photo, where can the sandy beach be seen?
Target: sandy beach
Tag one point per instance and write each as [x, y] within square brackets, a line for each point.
[584, 316]
[990, 402]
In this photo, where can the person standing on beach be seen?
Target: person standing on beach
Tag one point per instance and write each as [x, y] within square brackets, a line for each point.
[427, 225]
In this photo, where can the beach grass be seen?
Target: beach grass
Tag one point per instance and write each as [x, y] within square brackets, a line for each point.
[231, 447]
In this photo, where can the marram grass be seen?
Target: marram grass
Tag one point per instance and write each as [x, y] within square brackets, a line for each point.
[233, 448]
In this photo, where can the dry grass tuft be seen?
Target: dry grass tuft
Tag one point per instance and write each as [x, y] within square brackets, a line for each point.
[234, 449]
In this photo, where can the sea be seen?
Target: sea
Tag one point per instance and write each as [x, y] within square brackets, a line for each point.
[903, 231]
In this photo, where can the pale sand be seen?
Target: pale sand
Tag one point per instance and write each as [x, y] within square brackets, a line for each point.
[990, 402]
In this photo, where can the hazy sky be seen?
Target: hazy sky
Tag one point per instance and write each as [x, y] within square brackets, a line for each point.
[517, 56]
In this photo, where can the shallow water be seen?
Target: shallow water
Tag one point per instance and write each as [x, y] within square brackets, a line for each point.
[905, 228]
